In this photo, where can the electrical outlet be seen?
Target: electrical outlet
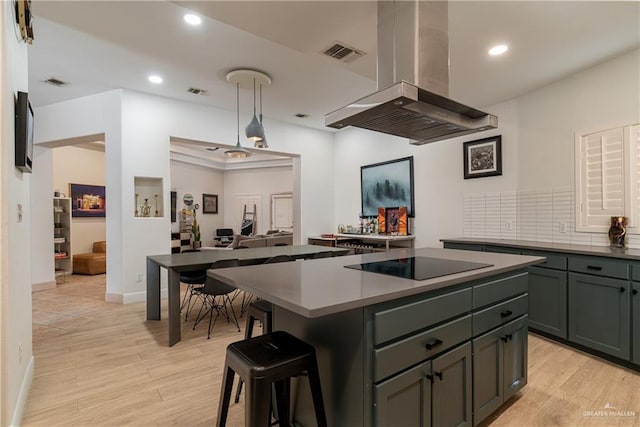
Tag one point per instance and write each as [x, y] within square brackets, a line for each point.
[19, 212]
[20, 352]
[564, 227]
[508, 225]
[139, 277]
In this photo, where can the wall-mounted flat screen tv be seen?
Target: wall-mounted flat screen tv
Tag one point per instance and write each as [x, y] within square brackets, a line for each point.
[387, 184]
[24, 133]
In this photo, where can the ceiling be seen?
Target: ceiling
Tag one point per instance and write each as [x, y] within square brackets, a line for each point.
[98, 46]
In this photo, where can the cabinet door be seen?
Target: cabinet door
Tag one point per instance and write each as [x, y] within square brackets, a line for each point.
[451, 392]
[405, 400]
[487, 374]
[599, 313]
[635, 296]
[548, 301]
[514, 341]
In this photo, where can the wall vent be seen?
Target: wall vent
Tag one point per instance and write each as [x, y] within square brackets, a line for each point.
[55, 82]
[342, 52]
[197, 91]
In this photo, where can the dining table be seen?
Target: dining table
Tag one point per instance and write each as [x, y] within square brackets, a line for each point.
[192, 261]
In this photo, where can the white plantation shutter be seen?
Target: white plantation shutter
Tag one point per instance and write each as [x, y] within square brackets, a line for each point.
[602, 175]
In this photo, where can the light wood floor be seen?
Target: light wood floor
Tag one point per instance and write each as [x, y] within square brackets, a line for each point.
[104, 364]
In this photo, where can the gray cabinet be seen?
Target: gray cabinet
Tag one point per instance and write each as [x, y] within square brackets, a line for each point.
[404, 400]
[635, 326]
[548, 301]
[499, 366]
[451, 391]
[599, 313]
[436, 392]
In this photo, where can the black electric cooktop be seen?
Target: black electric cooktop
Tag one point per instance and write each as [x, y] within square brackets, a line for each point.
[419, 267]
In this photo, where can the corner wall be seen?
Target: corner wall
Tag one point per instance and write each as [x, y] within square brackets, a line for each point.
[16, 353]
[138, 128]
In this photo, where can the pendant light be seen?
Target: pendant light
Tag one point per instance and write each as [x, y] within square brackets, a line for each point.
[254, 130]
[263, 142]
[238, 151]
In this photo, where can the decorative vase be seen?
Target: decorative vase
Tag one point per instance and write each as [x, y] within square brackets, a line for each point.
[617, 231]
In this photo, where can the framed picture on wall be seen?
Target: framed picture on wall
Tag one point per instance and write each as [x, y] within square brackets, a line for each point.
[387, 184]
[209, 203]
[483, 157]
[88, 200]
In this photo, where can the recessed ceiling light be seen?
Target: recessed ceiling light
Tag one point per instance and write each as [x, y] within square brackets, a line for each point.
[192, 19]
[155, 79]
[498, 50]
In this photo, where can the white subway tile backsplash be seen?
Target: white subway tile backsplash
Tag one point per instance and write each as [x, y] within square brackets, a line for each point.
[542, 215]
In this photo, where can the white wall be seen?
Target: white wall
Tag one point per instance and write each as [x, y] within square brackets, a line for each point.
[438, 175]
[80, 166]
[75, 119]
[42, 261]
[16, 354]
[264, 181]
[138, 129]
[537, 147]
[198, 180]
[599, 98]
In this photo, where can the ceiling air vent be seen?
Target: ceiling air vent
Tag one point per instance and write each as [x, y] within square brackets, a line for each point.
[55, 82]
[301, 115]
[343, 53]
[197, 91]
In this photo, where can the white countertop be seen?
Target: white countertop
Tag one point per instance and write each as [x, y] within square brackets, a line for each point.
[314, 288]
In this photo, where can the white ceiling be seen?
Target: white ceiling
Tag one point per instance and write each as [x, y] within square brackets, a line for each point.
[98, 46]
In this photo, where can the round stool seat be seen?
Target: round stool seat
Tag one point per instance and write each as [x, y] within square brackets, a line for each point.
[265, 361]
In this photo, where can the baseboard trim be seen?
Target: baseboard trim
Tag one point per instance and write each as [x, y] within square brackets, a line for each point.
[21, 402]
[132, 297]
[43, 286]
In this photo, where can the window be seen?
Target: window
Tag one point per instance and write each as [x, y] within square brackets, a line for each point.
[608, 178]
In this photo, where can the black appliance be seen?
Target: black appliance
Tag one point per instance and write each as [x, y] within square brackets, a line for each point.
[419, 267]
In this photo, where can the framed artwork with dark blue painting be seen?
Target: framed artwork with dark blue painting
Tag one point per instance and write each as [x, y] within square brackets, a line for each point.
[387, 184]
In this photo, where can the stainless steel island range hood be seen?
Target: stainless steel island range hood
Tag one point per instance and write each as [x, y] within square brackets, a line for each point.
[413, 51]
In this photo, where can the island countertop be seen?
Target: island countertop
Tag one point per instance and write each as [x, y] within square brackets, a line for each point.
[314, 288]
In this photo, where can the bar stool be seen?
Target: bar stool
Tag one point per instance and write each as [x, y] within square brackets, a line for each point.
[258, 310]
[263, 361]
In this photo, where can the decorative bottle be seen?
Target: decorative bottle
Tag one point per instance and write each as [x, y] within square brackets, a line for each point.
[617, 231]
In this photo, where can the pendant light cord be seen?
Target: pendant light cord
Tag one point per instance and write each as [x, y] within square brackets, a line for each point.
[238, 110]
[260, 103]
[254, 96]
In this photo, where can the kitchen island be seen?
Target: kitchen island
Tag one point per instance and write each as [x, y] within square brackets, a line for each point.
[398, 351]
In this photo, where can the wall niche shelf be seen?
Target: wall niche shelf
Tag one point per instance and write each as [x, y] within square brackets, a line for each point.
[148, 197]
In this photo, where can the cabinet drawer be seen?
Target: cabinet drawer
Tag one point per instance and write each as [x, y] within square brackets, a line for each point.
[555, 261]
[498, 290]
[409, 351]
[501, 313]
[404, 319]
[599, 266]
[635, 272]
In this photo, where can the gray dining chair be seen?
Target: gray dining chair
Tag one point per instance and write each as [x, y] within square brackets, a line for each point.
[215, 297]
